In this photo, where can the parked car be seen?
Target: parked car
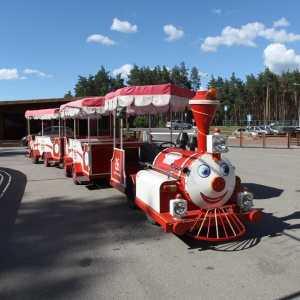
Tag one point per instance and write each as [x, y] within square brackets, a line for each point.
[290, 129]
[245, 131]
[267, 129]
[274, 128]
[177, 124]
[256, 130]
[49, 131]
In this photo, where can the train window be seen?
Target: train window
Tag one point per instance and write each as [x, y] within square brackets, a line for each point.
[224, 169]
[204, 171]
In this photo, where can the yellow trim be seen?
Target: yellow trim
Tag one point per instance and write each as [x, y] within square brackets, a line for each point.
[199, 112]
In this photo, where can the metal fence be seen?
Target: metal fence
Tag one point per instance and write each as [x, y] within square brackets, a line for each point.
[242, 123]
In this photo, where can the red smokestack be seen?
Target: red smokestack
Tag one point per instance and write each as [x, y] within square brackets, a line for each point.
[204, 106]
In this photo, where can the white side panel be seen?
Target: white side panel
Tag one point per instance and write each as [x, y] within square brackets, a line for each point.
[148, 184]
[43, 143]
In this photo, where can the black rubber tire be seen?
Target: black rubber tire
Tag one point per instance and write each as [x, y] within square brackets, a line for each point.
[130, 194]
[46, 161]
[34, 159]
[74, 176]
[67, 172]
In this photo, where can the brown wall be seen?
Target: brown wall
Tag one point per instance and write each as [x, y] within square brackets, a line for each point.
[13, 124]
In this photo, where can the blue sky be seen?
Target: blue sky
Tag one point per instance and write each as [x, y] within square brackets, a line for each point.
[46, 44]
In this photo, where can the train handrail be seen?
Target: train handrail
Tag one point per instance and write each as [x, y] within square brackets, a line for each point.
[167, 172]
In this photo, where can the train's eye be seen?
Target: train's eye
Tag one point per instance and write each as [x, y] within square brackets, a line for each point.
[224, 169]
[204, 171]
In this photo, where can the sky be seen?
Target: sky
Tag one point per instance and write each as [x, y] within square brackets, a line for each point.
[46, 44]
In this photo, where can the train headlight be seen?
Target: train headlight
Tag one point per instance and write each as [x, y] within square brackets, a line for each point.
[217, 143]
[245, 199]
[248, 200]
[178, 207]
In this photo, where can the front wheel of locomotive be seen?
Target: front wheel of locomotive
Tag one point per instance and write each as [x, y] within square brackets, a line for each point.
[130, 193]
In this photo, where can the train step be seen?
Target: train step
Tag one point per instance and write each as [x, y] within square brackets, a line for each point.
[82, 180]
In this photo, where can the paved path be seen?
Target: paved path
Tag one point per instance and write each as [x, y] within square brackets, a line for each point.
[61, 241]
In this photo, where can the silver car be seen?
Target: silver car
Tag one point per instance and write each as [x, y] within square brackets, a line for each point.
[245, 131]
[268, 129]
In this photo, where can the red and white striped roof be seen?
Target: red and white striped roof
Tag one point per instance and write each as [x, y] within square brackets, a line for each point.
[88, 107]
[42, 114]
[149, 98]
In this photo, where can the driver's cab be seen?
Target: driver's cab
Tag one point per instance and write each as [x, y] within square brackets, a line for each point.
[147, 153]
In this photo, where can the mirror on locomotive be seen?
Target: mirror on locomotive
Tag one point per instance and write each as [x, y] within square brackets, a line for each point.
[121, 113]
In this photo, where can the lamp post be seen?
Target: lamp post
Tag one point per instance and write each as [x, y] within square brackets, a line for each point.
[225, 110]
[298, 84]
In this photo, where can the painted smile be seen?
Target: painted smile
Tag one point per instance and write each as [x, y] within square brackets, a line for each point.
[211, 200]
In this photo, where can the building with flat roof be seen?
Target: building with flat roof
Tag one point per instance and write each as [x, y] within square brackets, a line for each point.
[14, 125]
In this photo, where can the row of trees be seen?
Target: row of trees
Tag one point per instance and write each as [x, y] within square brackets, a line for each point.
[267, 96]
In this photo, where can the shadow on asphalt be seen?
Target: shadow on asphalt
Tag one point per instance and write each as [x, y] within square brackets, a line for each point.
[12, 187]
[270, 226]
[6, 152]
[261, 191]
[55, 235]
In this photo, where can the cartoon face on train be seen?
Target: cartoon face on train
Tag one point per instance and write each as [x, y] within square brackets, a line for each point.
[209, 183]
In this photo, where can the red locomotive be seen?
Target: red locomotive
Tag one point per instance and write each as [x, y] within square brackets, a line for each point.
[196, 193]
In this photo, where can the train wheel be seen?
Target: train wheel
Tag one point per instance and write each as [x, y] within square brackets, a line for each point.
[74, 176]
[130, 194]
[46, 161]
[34, 159]
[67, 172]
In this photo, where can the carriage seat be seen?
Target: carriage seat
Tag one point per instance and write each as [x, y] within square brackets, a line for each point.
[146, 154]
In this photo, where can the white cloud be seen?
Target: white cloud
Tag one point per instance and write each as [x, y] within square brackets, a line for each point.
[173, 33]
[246, 35]
[100, 39]
[280, 36]
[232, 36]
[216, 11]
[281, 23]
[8, 74]
[124, 70]
[278, 58]
[38, 73]
[123, 26]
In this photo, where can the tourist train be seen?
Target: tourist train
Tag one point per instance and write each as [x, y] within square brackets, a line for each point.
[187, 187]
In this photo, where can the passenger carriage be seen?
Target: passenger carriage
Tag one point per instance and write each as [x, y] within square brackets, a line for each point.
[47, 148]
[88, 159]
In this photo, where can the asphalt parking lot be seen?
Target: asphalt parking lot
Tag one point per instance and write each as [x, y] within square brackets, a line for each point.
[59, 240]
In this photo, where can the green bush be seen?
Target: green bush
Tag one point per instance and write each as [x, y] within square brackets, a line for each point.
[140, 122]
[162, 124]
